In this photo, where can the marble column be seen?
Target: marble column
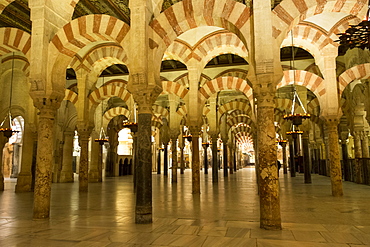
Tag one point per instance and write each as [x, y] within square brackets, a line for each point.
[159, 161]
[95, 158]
[24, 181]
[285, 160]
[270, 218]
[345, 159]
[358, 156]
[334, 159]
[214, 159]
[165, 159]
[195, 169]
[174, 158]
[83, 174]
[3, 140]
[231, 159]
[182, 161]
[205, 147]
[135, 158]
[66, 174]
[143, 209]
[306, 159]
[225, 159]
[365, 144]
[42, 190]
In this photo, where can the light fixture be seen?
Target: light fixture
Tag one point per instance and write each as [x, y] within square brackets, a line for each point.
[133, 126]
[102, 137]
[357, 36]
[296, 118]
[4, 128]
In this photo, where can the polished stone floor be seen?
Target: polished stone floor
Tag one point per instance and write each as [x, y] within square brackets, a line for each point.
[225, 214]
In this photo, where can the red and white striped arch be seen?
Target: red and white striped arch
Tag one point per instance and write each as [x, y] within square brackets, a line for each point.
[116, 82]
[114, 112]
[87, 29]
[184, 79]
[218, 44]
[358, 72]
[178, 51]
[157, 122]
[239, 73]
[71, 96]
[313, 105]
[160, 111]
[13, 39]
[225, 83]
[289, 11]
[306, 79]
[243, 119]
[189, 14]
[174, 88]
[182, 111]
[108, 91]
[243, 106]
[105, 55]
[4, 4]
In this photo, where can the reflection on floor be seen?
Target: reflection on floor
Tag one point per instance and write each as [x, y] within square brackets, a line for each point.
[225, 214]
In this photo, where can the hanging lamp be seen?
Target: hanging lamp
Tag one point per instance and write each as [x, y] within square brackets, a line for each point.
[102, 136]
[4, 127]
[357, 36]
[133, 126]
[293, 116]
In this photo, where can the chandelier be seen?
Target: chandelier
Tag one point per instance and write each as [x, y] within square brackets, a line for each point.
[293, 116]
[4, 127]
[357, 36]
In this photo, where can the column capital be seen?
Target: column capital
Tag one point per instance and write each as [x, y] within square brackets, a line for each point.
[144, 94]
[46, 106]
[265, 94]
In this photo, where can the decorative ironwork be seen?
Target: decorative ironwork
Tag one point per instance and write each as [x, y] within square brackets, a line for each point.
[7, 130]
[357, 36]
[132, 126]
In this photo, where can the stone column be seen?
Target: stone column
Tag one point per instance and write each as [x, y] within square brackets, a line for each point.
[358, 156]
[205, 147]
[345, 158]
[285, 165]
[83, 174]
[159, 161]
[143, 209]
[365, 144]
[3, 140]
[66, 174]
[24, 181]
[334, 159]
[231, 158]
[95, 159]
[135, 158]
[165, 159]
[306, 158]
[268, 176]
[225, 159]
[174, 157]
[182, 161]
[214, 159]
[195, 169]
[42, 190]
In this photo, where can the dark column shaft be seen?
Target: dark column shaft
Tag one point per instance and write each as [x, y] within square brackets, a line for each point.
[214, 160]
[143, 210]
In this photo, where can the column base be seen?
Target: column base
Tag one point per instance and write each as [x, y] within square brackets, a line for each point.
[143, 215]
[24, 182]
[66, 177]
